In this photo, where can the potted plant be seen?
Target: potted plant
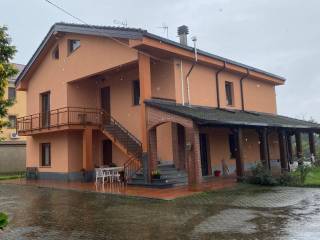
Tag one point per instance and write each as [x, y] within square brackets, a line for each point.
[217, 173]
[156, 174]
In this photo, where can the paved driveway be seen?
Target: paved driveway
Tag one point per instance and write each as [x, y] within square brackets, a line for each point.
[243, 213]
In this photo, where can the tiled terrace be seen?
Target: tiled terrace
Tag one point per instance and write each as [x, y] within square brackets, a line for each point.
[125, 190]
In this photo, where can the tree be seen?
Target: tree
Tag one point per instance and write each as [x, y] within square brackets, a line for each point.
[7, 70]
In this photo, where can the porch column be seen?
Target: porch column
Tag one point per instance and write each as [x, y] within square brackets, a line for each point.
[290, 151]
[87, 162]
[263, 136]
[312, 145]
[283, 150]
[238, 132]
[149, 163]
[298, 144]
[145, 93]
[193, 155]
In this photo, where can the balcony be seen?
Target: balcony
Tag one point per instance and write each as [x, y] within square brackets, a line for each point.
[60, 119]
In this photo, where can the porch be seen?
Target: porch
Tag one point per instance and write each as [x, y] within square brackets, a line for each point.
[228, 141]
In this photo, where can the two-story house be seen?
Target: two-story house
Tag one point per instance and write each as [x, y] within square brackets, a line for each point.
[108, 95]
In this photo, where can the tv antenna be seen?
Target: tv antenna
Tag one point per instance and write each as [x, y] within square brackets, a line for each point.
[120, 23]
[165, 29]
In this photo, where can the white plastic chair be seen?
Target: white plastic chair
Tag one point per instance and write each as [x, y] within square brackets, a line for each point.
[99, 175]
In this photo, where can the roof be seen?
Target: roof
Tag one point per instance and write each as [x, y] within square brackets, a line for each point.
[20, 68]
[123, 32]
[218, 116]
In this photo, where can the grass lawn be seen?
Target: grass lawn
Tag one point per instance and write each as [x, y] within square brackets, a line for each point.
[313, 178]
[8, 176]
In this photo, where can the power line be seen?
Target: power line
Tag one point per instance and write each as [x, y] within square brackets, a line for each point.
[93, 27]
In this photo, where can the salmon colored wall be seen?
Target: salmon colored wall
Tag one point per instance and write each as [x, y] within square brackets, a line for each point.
[164, 142]
[83, 93]
[75, 151]
[274, 150]
[258, 95]
[59, 151]
[162, 79]
[95, 54]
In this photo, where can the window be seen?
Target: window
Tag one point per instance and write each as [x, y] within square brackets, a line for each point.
[55, 53]
[73, 45]
[229, 93]
[136, 92]
[232, 146]
[11, 93]
[45, 154]
[12, 121]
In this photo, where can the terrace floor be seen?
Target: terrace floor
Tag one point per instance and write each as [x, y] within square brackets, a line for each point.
[127, 190]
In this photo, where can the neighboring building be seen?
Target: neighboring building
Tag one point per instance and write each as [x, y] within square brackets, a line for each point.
[13, 146]
[107, 95]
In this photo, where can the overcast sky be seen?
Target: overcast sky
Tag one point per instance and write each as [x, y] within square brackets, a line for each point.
[280, 36]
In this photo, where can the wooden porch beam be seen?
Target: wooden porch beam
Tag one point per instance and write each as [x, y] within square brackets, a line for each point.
[312, 145]
[264, 155]
[283, 150]
[238, 132]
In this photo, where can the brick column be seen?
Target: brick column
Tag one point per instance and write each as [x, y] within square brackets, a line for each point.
[298, 144]
[239, 153]
[175, 144]
[193, 156]
[263, 137]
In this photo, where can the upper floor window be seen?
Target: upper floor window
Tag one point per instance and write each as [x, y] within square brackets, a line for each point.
[136, 92]
[12, 121]
[11, 93]
[229, 93]
[73, 45]
[55, 52]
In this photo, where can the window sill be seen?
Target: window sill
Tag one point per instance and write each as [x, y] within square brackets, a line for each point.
[44, 166]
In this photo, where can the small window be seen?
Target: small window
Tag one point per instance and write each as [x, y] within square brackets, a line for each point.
[45, 154]
[232, 146]
[73, 45]
[229, 93]
[136, 92]
[55, 52]
[12, 121]
[11, 93]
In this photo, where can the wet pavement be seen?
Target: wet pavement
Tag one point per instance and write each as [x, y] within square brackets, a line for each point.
[246, 212]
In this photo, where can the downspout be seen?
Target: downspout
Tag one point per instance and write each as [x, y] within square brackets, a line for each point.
[194, 39]
[217, 82]
[241, 88]
[182, 82]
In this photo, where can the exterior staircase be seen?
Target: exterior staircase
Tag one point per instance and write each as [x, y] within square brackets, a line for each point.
[126, 142]
[170, 177]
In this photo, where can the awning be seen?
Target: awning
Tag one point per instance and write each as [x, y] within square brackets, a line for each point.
[207, 116]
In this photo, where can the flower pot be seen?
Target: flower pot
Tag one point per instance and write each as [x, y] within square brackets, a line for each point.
[217, 173]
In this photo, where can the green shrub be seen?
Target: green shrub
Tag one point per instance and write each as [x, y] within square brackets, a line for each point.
[288, 179]
[302, 171]
[3, 220]
[261, 176]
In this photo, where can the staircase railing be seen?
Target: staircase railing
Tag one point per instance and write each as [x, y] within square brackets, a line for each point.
[131, 166]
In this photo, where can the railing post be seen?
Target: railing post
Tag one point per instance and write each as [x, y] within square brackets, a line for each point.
[40, 121]
[68, 120]
[57, 117]
[30, 123]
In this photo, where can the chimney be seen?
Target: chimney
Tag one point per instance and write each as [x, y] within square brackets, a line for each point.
[183, 32]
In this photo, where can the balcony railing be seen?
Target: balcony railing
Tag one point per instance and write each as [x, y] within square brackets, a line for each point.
[60, 117]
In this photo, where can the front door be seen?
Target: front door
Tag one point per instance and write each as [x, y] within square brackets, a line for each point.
[204, 154]
[105, 104]
[45, 109]
[106, 152]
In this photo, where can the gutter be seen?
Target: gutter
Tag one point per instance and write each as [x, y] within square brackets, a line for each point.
[217, 82]
[241, 88]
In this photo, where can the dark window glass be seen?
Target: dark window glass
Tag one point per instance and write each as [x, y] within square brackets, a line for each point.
[55, 53]
[232, 146]
[12, 121]
[11, 93]
[45, 154]
[136, 92]
[73, 45]
[229, 93]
